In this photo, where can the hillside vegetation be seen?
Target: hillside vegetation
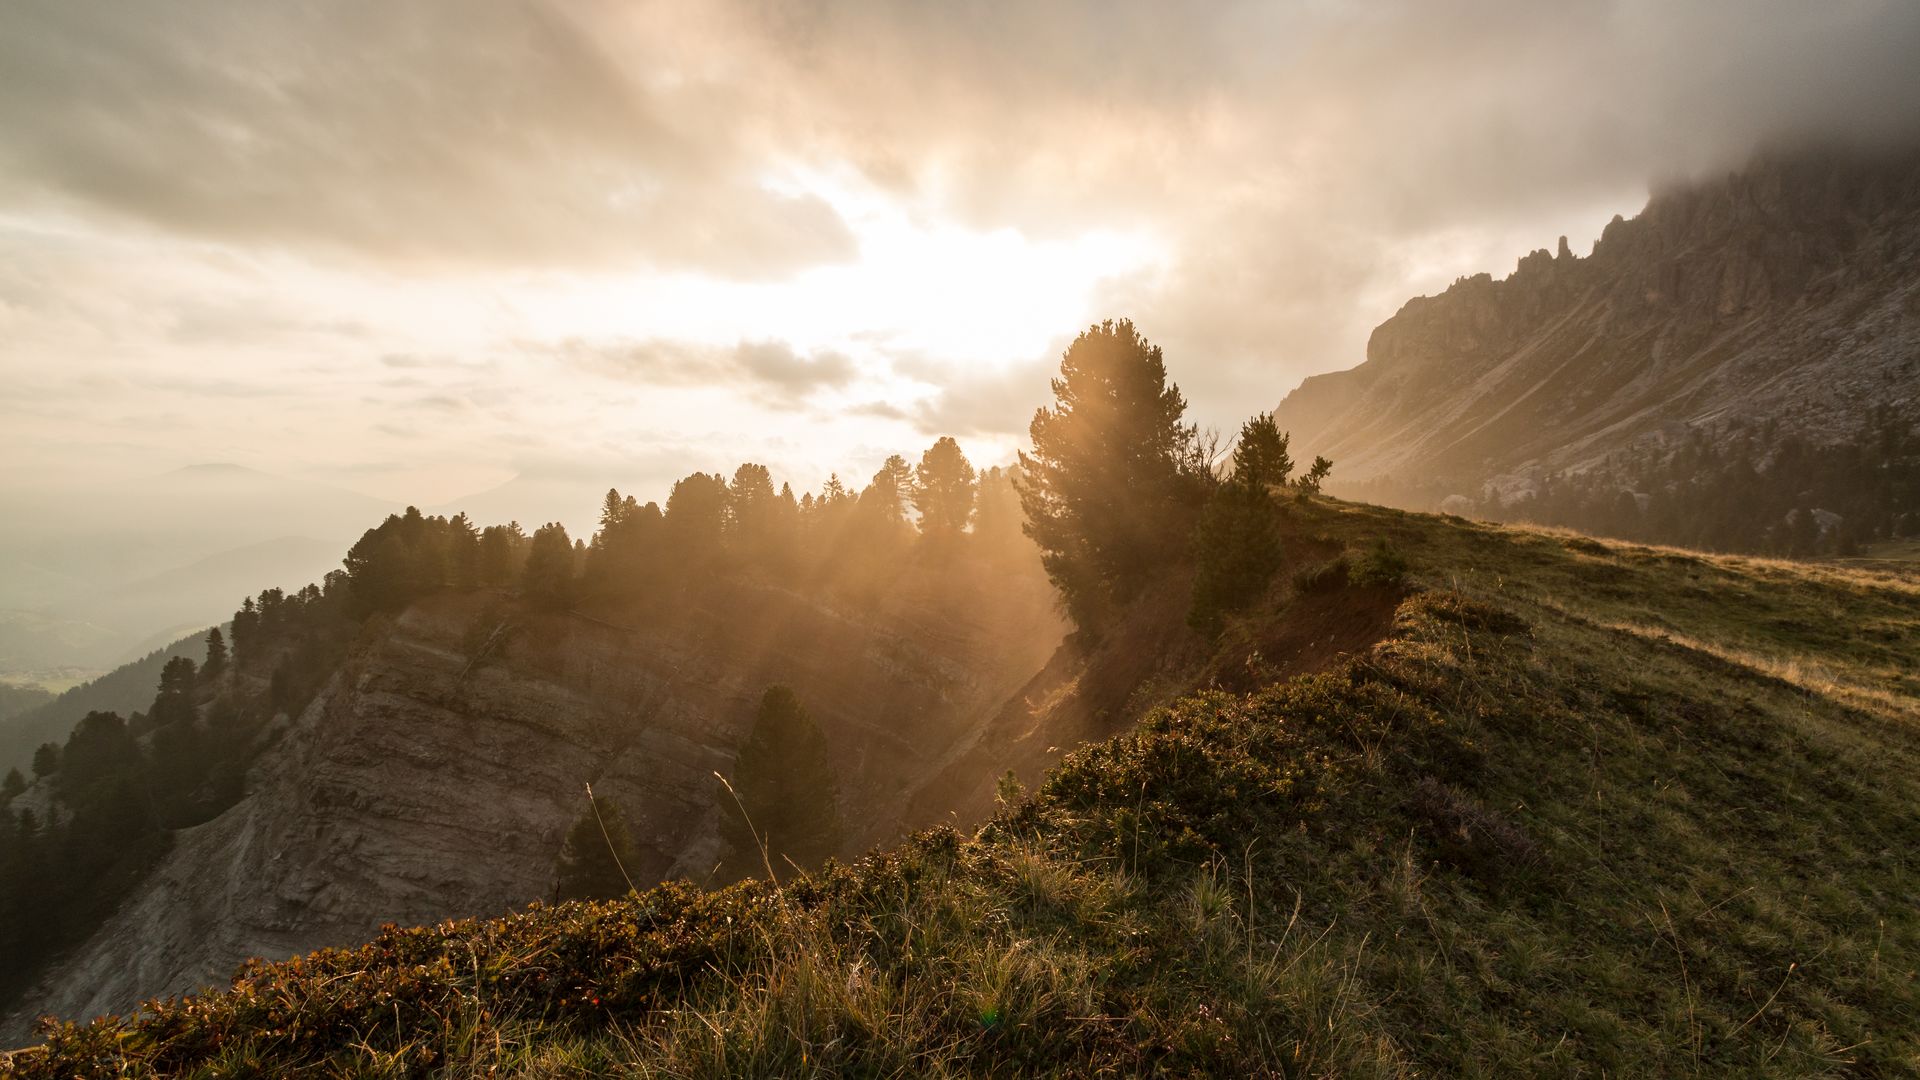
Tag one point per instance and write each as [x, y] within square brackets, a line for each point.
[1588, 808]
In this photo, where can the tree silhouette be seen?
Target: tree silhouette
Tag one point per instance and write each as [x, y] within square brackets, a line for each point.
[503, 551]
[1260, 457]
[696, 519]
[752, 514]
[784, 797]
[1236, 545]
[216, 654]
[944, 489]
[1316, 475]
[547, 580]
[597, 857]
[1111, 471]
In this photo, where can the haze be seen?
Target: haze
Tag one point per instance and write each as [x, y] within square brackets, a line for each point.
[389, 254]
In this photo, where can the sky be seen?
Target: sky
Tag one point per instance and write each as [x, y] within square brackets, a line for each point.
[414, 250]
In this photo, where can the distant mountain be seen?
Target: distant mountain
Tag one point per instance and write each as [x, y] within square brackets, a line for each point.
[15, 700]
[36, 646]
[137, 559]
[208, 589]
[1781, 302]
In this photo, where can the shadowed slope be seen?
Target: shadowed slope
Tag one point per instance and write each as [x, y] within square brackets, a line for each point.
[1574, 815]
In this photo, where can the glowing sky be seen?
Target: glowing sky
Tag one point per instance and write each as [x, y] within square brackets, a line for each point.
[414, 249]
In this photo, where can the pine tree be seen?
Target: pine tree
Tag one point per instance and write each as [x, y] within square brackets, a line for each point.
[885, 499]
[1236, 546]
[944, 489]
[503, 550]
[216, 654]
[13, 785]
[1316, 475]
[696, 518]
[547, 579]
[46, 759]
[1112, 470]
[751, 510]
[1236, 550]
[463, 552]
[246, 623]
[597, 858]
[783, 782]
[1260, 458]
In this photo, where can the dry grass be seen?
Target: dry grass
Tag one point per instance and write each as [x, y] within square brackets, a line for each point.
[1708, 768]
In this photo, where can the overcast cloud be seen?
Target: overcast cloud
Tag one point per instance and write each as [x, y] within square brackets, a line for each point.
[521, 205]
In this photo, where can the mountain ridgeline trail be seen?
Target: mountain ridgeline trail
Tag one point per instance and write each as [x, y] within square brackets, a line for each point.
[1580, 808]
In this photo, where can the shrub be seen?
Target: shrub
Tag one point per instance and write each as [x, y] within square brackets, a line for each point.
[1470, 836]
[1326, 577]
[1380, 566]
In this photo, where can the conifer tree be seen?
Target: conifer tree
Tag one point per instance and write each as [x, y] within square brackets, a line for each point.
[944, 489]
[547, 580]
[751, 512]
[246, 623]
[885, 499]
[1260, 458]
[1112, 470]
[784, 797]
[597, 858]
[503, 551]
[463, 552]
[1316, 475]
[216, 654]
[1236, 545]
[696, 518]
[13, 785]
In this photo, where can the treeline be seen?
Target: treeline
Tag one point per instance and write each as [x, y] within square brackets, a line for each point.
[710, 527]
[1117, 491]
[1746, 488]
[119, 787]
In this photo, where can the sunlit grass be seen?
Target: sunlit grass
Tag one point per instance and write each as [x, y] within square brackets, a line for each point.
[1594, 809]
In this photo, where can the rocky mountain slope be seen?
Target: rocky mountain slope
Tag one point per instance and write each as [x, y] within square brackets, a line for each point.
[436, 774]
[1585, 809]
[1789, 291]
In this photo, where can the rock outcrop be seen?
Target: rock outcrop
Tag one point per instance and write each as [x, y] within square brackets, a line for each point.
[1788, 292]
[436, 774]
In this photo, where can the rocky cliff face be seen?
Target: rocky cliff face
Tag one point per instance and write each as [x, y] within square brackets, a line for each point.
[1789, 291]
[437, 773]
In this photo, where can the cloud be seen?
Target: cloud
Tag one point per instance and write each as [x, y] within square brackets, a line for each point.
[1292, 156]
[767, 365]
[254, 193]
[775, 363]
[978, 401]
[435, 133]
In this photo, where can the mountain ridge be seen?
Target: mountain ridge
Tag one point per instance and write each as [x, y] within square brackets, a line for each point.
[1495, 839]
[1787, 291]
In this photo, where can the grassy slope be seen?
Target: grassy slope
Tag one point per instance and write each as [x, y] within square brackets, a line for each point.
[1592, 809]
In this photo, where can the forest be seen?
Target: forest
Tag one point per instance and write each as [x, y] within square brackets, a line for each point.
[1117, 489]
